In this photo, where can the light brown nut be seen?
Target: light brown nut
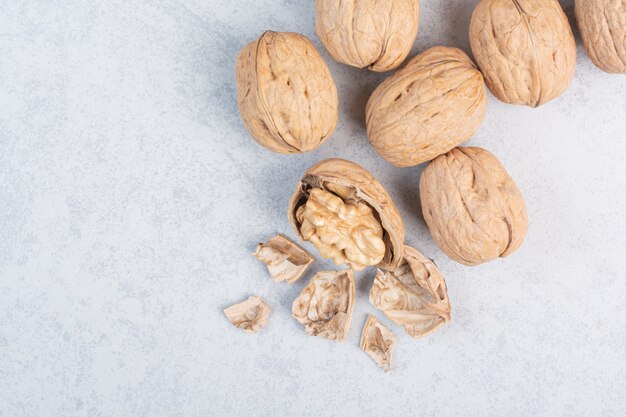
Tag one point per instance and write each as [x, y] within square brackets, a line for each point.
[338, 221]
[250, 315]
[325, 306]
[378, 342]
[602, 26]
[286, 95]
[368, 33]
[436, 102]
[414, 295]
[524, 48]
[344, 232]
[472, 207]
[285, 260]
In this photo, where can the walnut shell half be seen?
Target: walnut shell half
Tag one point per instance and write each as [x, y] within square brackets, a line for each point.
[286, 95]
[414, 295]
[434, 103]
[602, 26]
[325, 305]
[472, 207]
[346, 213]
[368, 33]
[524, 48]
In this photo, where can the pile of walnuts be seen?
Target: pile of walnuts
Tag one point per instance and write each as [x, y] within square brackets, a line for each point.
[525, 53]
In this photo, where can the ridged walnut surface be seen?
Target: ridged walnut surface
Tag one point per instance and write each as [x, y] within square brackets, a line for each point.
[353, 183]
[346, 232]
[285, 260]
[250, 315]
[378, 342]
[287, 97]
[472, 207]
[377, 34]
[434, 103]
[602, 27]
[524, 48]
[325, 305]
[414, 295]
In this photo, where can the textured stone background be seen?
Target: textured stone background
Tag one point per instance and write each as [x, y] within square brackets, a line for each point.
[131, 198]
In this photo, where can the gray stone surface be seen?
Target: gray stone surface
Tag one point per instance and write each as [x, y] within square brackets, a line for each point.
[131, 198]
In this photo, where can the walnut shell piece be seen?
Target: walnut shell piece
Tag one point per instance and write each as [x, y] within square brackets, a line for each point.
[414, 295]
[249, 315]
[434, 103]
[524, 48]
[345, 212]
[325, 305]
[286, 95]
[602, 26]
[368, 33]
[285, 260]
[472, 207]
[378, 342]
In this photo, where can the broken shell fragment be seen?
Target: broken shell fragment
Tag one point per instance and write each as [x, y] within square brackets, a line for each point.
[348, 215]
[414, 295]
[250, 315]
[285, 260]
[325, 306]
[378, 342]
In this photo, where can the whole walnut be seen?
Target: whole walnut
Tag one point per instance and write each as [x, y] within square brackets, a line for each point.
[472, 207]
[436, 102]
[348, 216]
[286, 95]
[524, 48]
[602, 26]
[377, 34]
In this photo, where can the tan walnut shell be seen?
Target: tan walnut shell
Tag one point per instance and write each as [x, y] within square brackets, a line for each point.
[249, 315]
[286, 95]
[325, 305]
[434, 103]
[414, 295]
[602, 26]
[354, 185]
[524, 48]
[378, 342]
[472, 207]
[368, 33]
[285, 260]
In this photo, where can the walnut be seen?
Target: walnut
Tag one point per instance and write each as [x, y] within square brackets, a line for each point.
[286, 95]
[368, 33]
[378, 342]
[285, 260]
[436, 102]
[414, 295]
[472, 207]
[602, 26]
[524, 48]
[346, 213]
[250, 315]
[344, 232]
[325, 305]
